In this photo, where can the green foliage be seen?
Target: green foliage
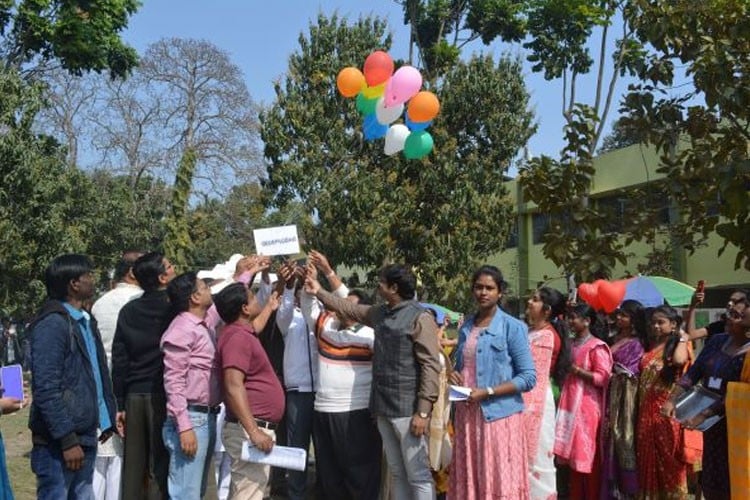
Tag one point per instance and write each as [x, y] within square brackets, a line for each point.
[38, 197]
[702, 132]
[220, 228]
[130, 215]
[444, 214]
[620, 137]
[82, 34]
[559, 32]
[556, 34]
[177, 242]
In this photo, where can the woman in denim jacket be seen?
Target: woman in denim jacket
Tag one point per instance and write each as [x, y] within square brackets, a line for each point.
[493, 358]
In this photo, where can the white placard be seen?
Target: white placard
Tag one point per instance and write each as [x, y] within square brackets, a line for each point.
[280, 240]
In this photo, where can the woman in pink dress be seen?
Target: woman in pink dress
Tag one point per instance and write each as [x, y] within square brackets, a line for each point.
[581, 411]
[493, 359]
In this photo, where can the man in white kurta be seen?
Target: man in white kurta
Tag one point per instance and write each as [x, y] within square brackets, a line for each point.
[109, 454]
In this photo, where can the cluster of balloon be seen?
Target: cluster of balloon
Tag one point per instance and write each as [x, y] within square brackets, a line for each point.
[603, 295]
[381, 97]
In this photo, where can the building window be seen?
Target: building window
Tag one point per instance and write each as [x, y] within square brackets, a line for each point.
[613, 208]
[512, 240]
[540, 224]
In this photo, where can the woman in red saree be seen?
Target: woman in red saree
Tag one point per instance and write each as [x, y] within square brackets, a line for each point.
[662, 469]
[581, 409]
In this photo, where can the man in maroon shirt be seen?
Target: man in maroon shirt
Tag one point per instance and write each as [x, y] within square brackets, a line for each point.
[253, 394]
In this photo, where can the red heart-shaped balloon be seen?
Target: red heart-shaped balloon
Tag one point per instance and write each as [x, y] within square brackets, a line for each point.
[588, 293]
[611, 294]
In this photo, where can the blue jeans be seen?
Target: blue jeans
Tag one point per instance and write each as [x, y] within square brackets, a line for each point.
[188, 476]
[54, 481]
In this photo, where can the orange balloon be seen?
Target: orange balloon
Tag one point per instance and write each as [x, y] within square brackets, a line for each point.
[378, 68]
[350, 81]
[423, 107]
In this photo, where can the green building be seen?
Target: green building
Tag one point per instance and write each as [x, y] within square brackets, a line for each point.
[617, 172]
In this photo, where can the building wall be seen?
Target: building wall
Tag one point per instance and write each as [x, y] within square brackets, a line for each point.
[525, 266]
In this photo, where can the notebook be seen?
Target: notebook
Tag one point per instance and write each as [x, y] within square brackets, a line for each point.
[11, 379]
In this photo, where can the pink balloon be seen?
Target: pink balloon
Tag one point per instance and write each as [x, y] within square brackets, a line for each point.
[403, 85]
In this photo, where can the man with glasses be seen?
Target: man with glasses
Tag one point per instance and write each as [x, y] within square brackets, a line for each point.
[192, 385]
[138, 380]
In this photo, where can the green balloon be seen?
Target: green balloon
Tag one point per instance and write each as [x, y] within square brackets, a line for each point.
[418, 145]
[364, 105]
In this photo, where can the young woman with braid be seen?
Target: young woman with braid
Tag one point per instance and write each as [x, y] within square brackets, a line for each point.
[662, 465]
[544, 312]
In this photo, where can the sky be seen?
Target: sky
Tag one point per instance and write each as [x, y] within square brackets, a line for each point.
[261, 35]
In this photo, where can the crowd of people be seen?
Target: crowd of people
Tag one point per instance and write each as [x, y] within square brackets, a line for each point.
[134, 395]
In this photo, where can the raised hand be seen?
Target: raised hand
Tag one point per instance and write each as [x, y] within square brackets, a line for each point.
[312, 286]
[320, 261]
[274, 301]
[311, 271]
[286, 272]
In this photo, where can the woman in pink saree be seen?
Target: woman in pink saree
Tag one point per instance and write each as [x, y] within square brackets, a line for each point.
[582, 403]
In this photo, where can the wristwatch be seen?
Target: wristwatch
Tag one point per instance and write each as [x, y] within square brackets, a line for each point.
[423, 414]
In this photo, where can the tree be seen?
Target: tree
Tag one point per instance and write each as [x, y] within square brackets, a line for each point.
[66, 116]
[620, 137]
[80, 35]
[556, 34]
[127, 216]
[702, 131]
[212, 122]
[444, 214]
[219, 228]
[129, 130]
[38, 198]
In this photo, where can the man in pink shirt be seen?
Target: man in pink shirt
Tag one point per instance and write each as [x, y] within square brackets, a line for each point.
[192, 386]
[253, 393]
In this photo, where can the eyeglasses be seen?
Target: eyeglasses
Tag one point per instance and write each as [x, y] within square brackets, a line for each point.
[734, 314]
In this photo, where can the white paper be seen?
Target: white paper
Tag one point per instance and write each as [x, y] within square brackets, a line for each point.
[458, 393]
[280, 456]
[280, 240]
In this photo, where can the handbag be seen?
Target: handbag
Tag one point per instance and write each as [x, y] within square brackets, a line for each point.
[692, 446]
[737, 406]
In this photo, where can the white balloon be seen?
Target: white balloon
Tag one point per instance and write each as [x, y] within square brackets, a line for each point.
[386, 116]
[395, 138]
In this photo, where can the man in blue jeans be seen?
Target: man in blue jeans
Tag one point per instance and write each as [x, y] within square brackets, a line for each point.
[192, 385]
[71, 389]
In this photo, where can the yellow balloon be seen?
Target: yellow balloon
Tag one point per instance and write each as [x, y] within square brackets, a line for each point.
[375, 91]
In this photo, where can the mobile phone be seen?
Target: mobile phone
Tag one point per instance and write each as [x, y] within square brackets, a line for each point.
[701, 287]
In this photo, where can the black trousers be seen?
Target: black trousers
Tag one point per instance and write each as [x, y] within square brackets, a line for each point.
[348, 454]
[145, 463]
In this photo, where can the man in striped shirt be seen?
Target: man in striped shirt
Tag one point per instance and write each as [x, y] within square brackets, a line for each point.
[347, 443]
